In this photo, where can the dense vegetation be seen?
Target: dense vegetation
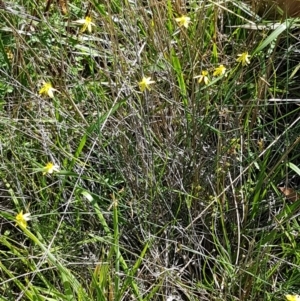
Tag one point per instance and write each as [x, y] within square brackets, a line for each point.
[149, 151]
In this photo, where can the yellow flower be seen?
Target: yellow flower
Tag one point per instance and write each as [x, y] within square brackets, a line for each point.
[50, 168]
[145, 83]
[219, 71]
[292, 297]
[183, 21]
[243, 58]
[86, 24]
[47, 89]
[9, 54]
[203, 78]
[22, 219]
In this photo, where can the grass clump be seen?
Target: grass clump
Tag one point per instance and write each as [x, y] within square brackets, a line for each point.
[149, 151]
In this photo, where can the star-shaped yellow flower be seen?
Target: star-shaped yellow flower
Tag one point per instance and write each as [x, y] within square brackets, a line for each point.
[219, 71]
[145, 83]
[22, 219]
[203, 78]
[47, 89]
[50, 168]
[86, 24]
[183, 21]
[244, 58]
[9, 54]
[292, 297]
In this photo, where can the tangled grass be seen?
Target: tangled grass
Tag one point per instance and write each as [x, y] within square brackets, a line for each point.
[186, 190]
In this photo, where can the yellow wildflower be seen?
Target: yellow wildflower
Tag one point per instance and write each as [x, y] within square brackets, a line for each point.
[9, 54]
[244, 58]
[22, 219]
[219, 71]
[183, 21]
[86, 24]
[292, 297]
[145, 83]
[203, 78]
[47, 89]
[50, 168]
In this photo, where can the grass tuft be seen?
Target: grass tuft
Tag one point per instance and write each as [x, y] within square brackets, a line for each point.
[150, 151]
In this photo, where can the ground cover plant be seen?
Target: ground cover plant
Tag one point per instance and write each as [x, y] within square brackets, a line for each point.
[149, 151]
